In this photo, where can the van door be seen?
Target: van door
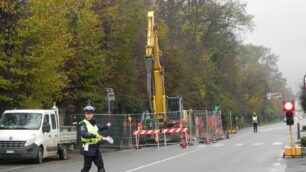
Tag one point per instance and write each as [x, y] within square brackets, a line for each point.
[49, 147]
[52, 146]
[46, 134]
[54, 131]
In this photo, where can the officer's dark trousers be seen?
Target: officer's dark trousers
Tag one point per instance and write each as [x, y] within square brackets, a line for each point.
[255, 127]
[96, 159]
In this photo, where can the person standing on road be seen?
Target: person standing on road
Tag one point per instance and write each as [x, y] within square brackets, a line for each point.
[91, 139]
[255, 122]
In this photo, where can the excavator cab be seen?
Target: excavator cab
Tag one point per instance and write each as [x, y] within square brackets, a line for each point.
[174, 110]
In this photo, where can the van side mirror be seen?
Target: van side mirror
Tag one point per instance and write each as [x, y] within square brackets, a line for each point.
[46, 127]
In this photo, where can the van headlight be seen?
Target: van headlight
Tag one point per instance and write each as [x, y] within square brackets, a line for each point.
[31, 140]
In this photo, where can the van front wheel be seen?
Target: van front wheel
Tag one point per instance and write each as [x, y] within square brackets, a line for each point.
[39, 156]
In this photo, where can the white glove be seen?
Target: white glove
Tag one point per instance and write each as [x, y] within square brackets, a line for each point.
[109, 124]
[109, 139]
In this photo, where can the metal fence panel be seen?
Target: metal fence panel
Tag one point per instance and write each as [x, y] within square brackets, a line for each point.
[202, 125]
[207, 125]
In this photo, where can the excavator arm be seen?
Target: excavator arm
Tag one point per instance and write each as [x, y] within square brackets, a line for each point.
[155, 72]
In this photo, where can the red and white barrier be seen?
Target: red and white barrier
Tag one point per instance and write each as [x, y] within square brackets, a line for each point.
[145, 132]
[157, 132]
[175, 130]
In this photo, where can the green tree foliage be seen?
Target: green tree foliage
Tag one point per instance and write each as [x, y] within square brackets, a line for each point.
[123, 25]
[43, 52]
[33, 50]
[85, 68]
[202, 44]
[71, 51]
[10, 75]
[261, 76]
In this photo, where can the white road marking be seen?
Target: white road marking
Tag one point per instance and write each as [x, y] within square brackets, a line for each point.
[161, 161]
[257, 144]
[276, 164]
[218, 145]
[277, 143]
[274, 170]
[239, 144]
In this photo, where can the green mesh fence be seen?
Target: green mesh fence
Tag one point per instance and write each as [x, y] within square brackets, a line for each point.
[120, 131]
[201, 124]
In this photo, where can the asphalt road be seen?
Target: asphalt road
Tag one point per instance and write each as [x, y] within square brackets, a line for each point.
[243, 152]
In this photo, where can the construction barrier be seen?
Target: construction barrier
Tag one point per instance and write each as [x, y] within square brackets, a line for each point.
[208, 126]
[145, 132]
[175, 130]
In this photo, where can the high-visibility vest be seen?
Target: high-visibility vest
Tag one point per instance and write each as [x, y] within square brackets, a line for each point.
[255, 119]
[91, 130]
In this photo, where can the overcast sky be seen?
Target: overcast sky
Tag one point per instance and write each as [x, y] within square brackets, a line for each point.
[281, 26]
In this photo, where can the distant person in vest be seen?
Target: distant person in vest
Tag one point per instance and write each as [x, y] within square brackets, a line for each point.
[255, 122]
[91, 139]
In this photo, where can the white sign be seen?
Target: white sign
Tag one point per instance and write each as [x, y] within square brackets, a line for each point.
[110, 94]
[273, 96]
[269, 96]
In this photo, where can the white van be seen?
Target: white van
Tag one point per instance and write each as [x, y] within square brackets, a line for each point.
[34, 134]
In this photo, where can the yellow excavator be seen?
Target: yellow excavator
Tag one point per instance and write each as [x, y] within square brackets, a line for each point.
[155, 72]
[160, 105]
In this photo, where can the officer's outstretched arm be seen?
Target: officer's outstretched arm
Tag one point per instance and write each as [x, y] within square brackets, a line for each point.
[104, 127]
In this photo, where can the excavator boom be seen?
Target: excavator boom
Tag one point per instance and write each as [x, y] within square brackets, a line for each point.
[155, 72]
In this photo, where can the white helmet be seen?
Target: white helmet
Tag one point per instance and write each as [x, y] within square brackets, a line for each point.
[89, 109]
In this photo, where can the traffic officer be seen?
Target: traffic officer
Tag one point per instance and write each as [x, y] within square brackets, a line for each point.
[91, 139]
[255, 122]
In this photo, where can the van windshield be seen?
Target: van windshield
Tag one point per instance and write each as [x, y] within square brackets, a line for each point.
[27, 121]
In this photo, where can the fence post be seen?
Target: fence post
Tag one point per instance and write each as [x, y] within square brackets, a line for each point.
[206, 118]
[136, 140]
[158, 141]
[165, 141]
[298, 131]
[190, 125]
[131, 132]
[215, 124]
[220, 118]
[186, 137]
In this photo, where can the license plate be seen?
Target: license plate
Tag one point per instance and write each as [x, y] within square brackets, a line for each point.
[10, 151]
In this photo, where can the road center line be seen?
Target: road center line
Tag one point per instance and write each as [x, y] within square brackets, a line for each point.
[257, 144]
[277, 143]
[239, 144]
[161, 161]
